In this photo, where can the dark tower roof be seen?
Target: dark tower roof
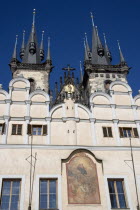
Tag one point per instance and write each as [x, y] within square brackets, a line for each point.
[32, 51]
[98, 55]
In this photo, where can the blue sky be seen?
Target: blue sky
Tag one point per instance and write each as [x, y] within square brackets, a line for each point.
[66, 21]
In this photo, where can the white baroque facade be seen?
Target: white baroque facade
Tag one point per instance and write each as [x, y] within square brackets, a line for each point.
[70, 128]
[79, 151]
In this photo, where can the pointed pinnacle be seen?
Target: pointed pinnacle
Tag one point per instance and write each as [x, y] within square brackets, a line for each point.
[92, 19]
[98, 38]
[15, 49]
[81, 72]
[23, 40]
[42, 40]
[121, 54]
[49, 52]
[105, 38]
[34, 13]
[106, 46]
[86, 54]
[87, 45]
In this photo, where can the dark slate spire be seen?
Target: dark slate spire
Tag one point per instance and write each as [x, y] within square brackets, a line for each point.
[22, 51]
[81, 73]
[87, 45]
[98, 56]
[100, 49]
[32, 51]
[42, 47]
[48, 62]
[49, 50]
[86, 53]
[14, 56]
[107, 51]
[122, 60]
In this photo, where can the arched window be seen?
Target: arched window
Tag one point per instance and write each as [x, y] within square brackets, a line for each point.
[32, 84]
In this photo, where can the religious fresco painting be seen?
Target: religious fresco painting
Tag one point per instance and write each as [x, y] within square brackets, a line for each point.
[82, 180]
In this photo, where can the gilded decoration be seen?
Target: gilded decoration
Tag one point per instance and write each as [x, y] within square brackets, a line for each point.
[82, 180]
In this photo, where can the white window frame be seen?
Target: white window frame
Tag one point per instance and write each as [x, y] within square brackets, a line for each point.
[2, 177]
[49, 176]
[126, 186]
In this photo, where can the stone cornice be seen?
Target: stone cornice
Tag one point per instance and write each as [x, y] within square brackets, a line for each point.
[68, 147]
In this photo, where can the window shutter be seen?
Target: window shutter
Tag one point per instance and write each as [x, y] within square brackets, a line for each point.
[3, 128]
[104, 131]
[19, 130]
[14, 129]
[29, 130]
[44, 130]
[110, 132]
[121, 132]
[136, 135]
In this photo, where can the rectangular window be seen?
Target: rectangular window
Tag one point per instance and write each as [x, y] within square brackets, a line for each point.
[2, 128]
[107, 132]
[117, 193]
[16, 129]
[128, 132]
[48, 194]
[37, 130]
[10, 194]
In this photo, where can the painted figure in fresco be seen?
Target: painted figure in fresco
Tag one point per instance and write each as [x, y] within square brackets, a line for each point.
[82, 181]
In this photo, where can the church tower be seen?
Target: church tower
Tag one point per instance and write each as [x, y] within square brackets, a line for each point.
[32, 65]
[99, 72]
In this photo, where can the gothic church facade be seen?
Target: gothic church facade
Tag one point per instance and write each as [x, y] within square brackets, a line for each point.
[78, 151]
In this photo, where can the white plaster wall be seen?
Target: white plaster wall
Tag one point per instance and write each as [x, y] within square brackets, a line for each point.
[58, 113]
[19, 84]
[102, 113]
[18, 95]
[58, 133]
[83, 130]
[2, 97]
[2, 109]
[119, 88]
[17, 110]
[113, 165]
[100, 100]
[137, 102]
[125, 114]
[122, 100]
[38, 111]
[82, 114]
[38, 98]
